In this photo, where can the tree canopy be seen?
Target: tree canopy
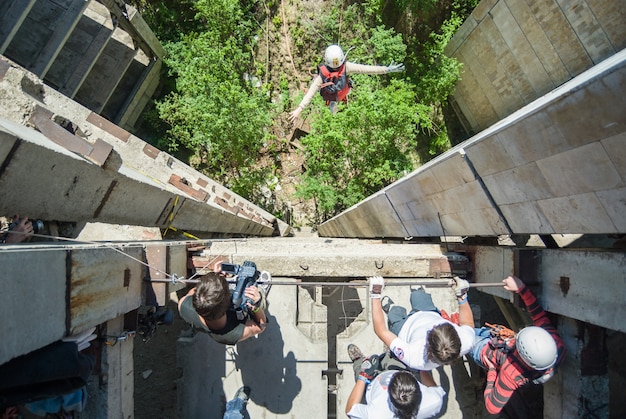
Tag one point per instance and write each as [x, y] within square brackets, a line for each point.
[232, 66]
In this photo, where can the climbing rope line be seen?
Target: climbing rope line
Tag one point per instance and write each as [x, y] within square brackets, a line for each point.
[426, 281]
[173, 278]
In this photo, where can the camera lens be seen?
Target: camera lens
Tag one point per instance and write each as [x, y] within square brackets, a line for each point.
[37, 226]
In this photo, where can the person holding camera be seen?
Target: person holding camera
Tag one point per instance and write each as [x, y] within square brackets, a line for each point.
[390, 389]
[209, 308]
[21, 229]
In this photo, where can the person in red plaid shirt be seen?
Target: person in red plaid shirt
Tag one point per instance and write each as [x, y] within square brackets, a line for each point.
[514, 360]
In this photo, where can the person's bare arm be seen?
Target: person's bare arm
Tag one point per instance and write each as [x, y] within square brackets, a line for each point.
[314, 88]
[258, 322]
[251, 329]
[356, 395]
[460, 287]
[380, 326]
[466, 317]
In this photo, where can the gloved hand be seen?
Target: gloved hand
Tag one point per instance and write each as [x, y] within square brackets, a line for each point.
[370, 367]
[460, 286]
[377, 283]
[395, 68]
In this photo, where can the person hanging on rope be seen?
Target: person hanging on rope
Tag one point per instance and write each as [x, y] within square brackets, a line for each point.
[333, 80]
[423, 339]
[513, 360]
[209, 307]
[390, 389]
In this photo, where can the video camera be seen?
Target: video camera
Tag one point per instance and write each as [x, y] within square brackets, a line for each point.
[247, 275]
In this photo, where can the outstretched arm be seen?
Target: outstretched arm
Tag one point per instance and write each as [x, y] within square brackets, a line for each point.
[377, 283]
[314, 88]
[537, 313]
[356, 395]
[380, 326]
[460, 287]
[21, 232]
[426, 377]
[258, 322]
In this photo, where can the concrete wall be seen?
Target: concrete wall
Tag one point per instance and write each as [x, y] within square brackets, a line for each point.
[515, 51]
[554, 166]
[100, 172]
[100, 285]
[99, 53]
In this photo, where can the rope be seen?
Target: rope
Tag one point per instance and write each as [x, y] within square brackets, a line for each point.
[500, 331]
[358, 283]
[173, 278]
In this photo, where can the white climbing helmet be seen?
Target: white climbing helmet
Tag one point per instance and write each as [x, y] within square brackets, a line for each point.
[334, 57]
[536, 347]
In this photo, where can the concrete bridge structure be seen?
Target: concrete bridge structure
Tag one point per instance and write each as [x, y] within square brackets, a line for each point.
[544, 169]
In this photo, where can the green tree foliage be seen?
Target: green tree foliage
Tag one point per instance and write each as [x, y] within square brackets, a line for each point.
[216, 115]
[363, 148]
[215, 111]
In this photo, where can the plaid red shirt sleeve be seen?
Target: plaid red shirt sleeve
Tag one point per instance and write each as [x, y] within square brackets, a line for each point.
[508, 373]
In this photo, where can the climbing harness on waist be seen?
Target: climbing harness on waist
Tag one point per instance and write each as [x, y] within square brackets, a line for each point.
[336, 83]
[502, 337]
[498, 330]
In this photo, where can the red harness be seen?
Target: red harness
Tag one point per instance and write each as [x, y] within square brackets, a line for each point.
[335, 84]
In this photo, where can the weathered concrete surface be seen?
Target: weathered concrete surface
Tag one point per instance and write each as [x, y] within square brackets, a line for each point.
[282, 366]
[316, 257]
[555, 166]
[32, 303]
[103, 284]
[515, 51]
[78, 190]
[97, 52]
[575, 283]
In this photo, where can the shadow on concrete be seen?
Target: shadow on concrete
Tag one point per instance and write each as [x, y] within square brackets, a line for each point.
[203, 394]
[271, 376]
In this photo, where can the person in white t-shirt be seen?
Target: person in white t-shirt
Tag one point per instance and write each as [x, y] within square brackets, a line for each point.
[423, 340]
[395, 393]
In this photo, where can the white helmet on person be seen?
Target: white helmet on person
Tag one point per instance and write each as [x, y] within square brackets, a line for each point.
[334, 56]
[536, 347]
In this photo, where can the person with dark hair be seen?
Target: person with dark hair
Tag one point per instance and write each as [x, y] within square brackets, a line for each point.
[393, 393]
[513, 360]
[208, 308]
[422, 339]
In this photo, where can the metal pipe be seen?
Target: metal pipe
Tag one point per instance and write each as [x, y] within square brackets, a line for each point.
[359, 283]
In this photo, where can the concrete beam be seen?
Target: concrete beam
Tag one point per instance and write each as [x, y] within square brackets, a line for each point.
[574, 283]
[311, 257]
[87, 192]
[13, 14]
[63, 29]
[571, 283]
[91, 52]
[553, 167]
[73, 288]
